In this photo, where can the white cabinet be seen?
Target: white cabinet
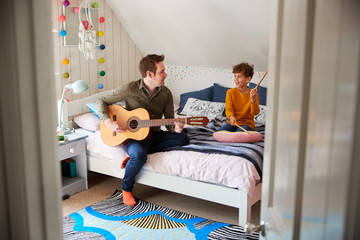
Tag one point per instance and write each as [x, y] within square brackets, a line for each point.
[74, 148]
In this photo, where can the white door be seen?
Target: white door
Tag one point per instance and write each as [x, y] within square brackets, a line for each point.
[312, 101]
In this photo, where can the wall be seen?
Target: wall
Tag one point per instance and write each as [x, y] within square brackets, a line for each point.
[182, 79]
[205, 33]
[121, 55]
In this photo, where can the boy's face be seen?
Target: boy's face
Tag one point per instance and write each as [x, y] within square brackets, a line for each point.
[240, 80]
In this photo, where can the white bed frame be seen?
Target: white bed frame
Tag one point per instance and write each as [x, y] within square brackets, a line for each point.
[208, 191]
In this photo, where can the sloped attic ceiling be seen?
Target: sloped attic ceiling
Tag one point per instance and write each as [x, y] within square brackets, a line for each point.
[204, 33]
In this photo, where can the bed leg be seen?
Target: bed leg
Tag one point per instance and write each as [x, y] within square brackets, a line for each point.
[244, 208]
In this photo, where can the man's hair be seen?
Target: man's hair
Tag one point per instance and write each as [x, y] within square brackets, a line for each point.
[244, 68]
[148, 63]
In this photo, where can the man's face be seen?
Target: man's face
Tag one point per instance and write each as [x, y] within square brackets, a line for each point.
[160, 75]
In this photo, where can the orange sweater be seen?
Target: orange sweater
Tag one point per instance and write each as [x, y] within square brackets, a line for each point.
[239, 105]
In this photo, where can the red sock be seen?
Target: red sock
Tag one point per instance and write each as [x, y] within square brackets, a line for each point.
[124, 162]
[128, 198]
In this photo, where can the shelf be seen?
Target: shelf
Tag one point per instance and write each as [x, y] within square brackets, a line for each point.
[73, 185]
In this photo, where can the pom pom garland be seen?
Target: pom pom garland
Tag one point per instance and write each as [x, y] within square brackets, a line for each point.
[63, 33]
[62, 18]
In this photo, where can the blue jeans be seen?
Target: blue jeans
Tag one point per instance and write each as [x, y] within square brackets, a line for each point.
[138, 151]
[228, 127]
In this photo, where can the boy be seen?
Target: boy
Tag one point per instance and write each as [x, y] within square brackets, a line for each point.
[242, 103]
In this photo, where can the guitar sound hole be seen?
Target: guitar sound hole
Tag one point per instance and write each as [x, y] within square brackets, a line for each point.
[133, 124]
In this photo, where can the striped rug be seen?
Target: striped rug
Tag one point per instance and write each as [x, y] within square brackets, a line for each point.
[111, 219]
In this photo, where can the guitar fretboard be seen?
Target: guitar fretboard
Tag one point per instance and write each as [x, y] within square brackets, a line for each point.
[160, 122]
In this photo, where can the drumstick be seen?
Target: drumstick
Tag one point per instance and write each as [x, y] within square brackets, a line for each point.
[241, 127]
[262, 78]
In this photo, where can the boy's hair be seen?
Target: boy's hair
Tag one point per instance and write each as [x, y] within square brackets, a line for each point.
[245, 68]
[148, 63]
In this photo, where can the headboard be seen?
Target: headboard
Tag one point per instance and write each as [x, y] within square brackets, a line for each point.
[77, 107]
[179, 80]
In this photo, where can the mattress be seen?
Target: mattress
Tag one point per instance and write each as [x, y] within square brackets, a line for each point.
[231, 171]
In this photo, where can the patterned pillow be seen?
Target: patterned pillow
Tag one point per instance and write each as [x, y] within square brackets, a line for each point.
[204, 94]
[195, 107]
[261, 117]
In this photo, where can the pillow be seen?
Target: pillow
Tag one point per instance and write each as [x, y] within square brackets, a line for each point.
[116, 154]
[261, 92]
[236, 137]
[219, 93]
[204, 94]
[92, 107]
[195, 107]
[261, 117]
[88, 121]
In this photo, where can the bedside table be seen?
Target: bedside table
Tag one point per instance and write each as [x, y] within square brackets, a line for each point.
[74, 148]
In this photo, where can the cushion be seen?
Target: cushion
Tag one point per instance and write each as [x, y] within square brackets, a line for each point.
[236, 137]
[261, 92]
[261, 117]
[219, 93]
[88, 121]
[97, 145]
[204, 94]
[92, 107]
[195, 107]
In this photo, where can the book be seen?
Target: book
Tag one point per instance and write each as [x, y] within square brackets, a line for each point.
[68, 168]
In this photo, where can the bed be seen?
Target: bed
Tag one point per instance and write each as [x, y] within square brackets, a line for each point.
[219, 175]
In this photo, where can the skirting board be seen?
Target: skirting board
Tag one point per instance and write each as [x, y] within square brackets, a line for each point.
[207, 191]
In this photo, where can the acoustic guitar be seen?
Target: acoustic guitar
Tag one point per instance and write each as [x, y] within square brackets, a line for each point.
[137, 123]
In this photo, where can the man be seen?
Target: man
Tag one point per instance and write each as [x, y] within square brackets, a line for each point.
[151, 94]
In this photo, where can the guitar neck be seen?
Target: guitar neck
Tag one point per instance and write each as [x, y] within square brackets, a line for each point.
[160, 122]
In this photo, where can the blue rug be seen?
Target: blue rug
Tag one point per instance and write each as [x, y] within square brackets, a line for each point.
[111, 219]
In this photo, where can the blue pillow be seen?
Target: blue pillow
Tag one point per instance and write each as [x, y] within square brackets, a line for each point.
[92, 107]
[261, 92]
[219, 93]
[204, 94]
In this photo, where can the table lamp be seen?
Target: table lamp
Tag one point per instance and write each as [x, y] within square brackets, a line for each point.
[76, 87]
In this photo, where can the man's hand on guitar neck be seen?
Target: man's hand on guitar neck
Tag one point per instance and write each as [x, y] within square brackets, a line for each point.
[114, 126]
[179, 127]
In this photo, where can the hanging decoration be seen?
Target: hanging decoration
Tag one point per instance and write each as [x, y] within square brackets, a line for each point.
[102, 47]
[102, 73]
[66, 3]
[101, 86]
[66, 75]
[62, 18]
[101, 19]
[87, 34]
[95, 5]
[101, 60]
[63, 33]
[66, 61]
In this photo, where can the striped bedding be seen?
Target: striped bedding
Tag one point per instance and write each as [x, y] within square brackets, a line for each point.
[201, 140]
